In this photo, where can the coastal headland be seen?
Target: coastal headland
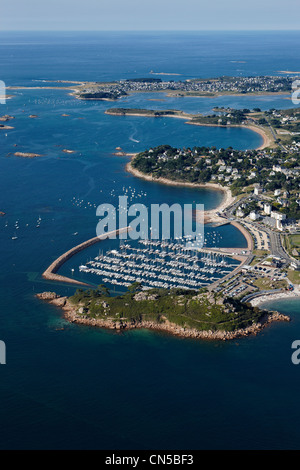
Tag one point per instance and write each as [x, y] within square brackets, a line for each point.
[79, 314]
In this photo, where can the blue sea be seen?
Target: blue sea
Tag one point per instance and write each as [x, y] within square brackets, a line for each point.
[73, 387]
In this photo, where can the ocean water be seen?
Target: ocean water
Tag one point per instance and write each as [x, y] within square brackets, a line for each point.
[68, 386]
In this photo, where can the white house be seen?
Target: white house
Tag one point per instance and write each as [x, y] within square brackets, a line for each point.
[257, 189]
[267, 208]
[254, 215]
[278, 215]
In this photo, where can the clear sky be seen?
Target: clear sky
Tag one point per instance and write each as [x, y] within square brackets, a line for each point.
[149, 14]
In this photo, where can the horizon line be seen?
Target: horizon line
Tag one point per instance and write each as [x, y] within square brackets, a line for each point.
[145, 30]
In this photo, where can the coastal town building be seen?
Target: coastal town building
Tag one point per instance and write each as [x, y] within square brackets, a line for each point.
[267, 208]
[257, 189]
[240, 212]
[278, 215]
[254, 215]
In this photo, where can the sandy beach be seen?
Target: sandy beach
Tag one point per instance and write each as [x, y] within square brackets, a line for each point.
[287, 71]
[38, 88]
[267, 140]
[210, 216]
[258, 301]
[241, 228]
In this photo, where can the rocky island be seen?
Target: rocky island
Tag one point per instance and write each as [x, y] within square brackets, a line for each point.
[27, 155]
[147, 112]
[186, 313]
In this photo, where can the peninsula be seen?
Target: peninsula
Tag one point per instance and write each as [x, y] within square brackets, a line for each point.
[209, 87]
[197, 87]
[185, 313]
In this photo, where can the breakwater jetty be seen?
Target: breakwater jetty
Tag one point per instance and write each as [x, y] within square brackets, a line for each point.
[51, 272]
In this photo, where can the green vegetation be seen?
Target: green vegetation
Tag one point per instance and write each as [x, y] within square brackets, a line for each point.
[144, 112]
[226, 117]
[186, 308]
[168, 162]
[292, 245]
[261, 253]
[101, 95]
[145, 80]
[264, 283]
[270, 169]
[294, 276]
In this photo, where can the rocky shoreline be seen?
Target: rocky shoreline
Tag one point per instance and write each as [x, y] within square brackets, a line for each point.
[210, 216]
[3, 127]
[27, 155]
[71, 314]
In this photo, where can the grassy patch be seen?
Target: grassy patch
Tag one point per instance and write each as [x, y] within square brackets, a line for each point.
[292, 244]
[188, 309]
[294, 276]
[261, 253]
[265, 283]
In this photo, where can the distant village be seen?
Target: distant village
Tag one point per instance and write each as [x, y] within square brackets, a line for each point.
[243, 85]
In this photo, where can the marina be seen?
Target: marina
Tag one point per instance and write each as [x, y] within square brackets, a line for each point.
[159, 264]
[74, 386]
